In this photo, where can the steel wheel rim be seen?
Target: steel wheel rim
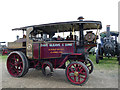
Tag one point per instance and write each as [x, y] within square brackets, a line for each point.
[78, 73]
[15, 65]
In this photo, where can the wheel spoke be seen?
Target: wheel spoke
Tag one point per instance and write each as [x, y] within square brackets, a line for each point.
[75, 78]
[12, 64]
[77, 68]
[11, 68]
[14, 58]
[82, 77]
[71, 72]
[71, 69]
[17, 70]
[74, 66]
[81, 69]
[20, 70]
[89, 69]
[20, 63]
[18, 57]
[82, 73]
[21, 67]
[89, 66]
[78, 78]
[72, 76]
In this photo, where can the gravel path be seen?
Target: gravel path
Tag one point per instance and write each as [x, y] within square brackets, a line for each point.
[35, 79]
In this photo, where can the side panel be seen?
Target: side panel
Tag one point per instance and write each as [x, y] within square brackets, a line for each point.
[36, 50]
[55, 50]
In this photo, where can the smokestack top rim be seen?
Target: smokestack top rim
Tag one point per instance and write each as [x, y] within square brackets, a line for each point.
[80, 18]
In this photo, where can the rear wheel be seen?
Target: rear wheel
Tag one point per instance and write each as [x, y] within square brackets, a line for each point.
[89, 65]
[77, 73]
[17, 64]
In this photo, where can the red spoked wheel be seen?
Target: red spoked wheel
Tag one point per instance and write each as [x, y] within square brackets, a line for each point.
[17, 64]
[77, 73]
[89, 65]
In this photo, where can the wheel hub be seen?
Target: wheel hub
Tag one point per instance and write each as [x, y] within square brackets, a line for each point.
[75, 73]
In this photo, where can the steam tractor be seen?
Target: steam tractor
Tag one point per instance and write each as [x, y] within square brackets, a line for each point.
[109, 47]
[43, 48]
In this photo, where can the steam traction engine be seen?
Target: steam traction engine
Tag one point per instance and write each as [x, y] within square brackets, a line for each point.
[40, 50]
[109, 47]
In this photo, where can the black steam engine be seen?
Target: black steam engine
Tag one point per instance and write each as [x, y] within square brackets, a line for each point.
[109, 47]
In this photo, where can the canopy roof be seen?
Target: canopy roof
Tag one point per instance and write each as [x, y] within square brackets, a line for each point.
[64, 26]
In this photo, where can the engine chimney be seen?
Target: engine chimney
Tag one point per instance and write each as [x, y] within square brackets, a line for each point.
[108, 31]
[17, 37]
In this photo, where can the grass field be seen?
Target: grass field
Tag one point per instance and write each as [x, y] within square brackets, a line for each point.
[3, 58]
[106, 63]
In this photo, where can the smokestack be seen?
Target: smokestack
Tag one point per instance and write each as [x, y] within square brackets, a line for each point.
[107, 30]
[17, 37]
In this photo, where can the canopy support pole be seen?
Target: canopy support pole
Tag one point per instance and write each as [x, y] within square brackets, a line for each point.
[81, 34]
[73, 32]
[96, 32]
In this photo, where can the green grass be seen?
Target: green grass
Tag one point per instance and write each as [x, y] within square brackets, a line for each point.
[106, 63]
[3, 58]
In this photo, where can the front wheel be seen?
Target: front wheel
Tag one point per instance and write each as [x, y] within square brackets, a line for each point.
[77, 73]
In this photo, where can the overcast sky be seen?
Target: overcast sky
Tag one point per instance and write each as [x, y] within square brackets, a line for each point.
[20, 13]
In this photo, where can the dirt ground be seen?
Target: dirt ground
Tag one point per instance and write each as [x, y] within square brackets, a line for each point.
[100, 78]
